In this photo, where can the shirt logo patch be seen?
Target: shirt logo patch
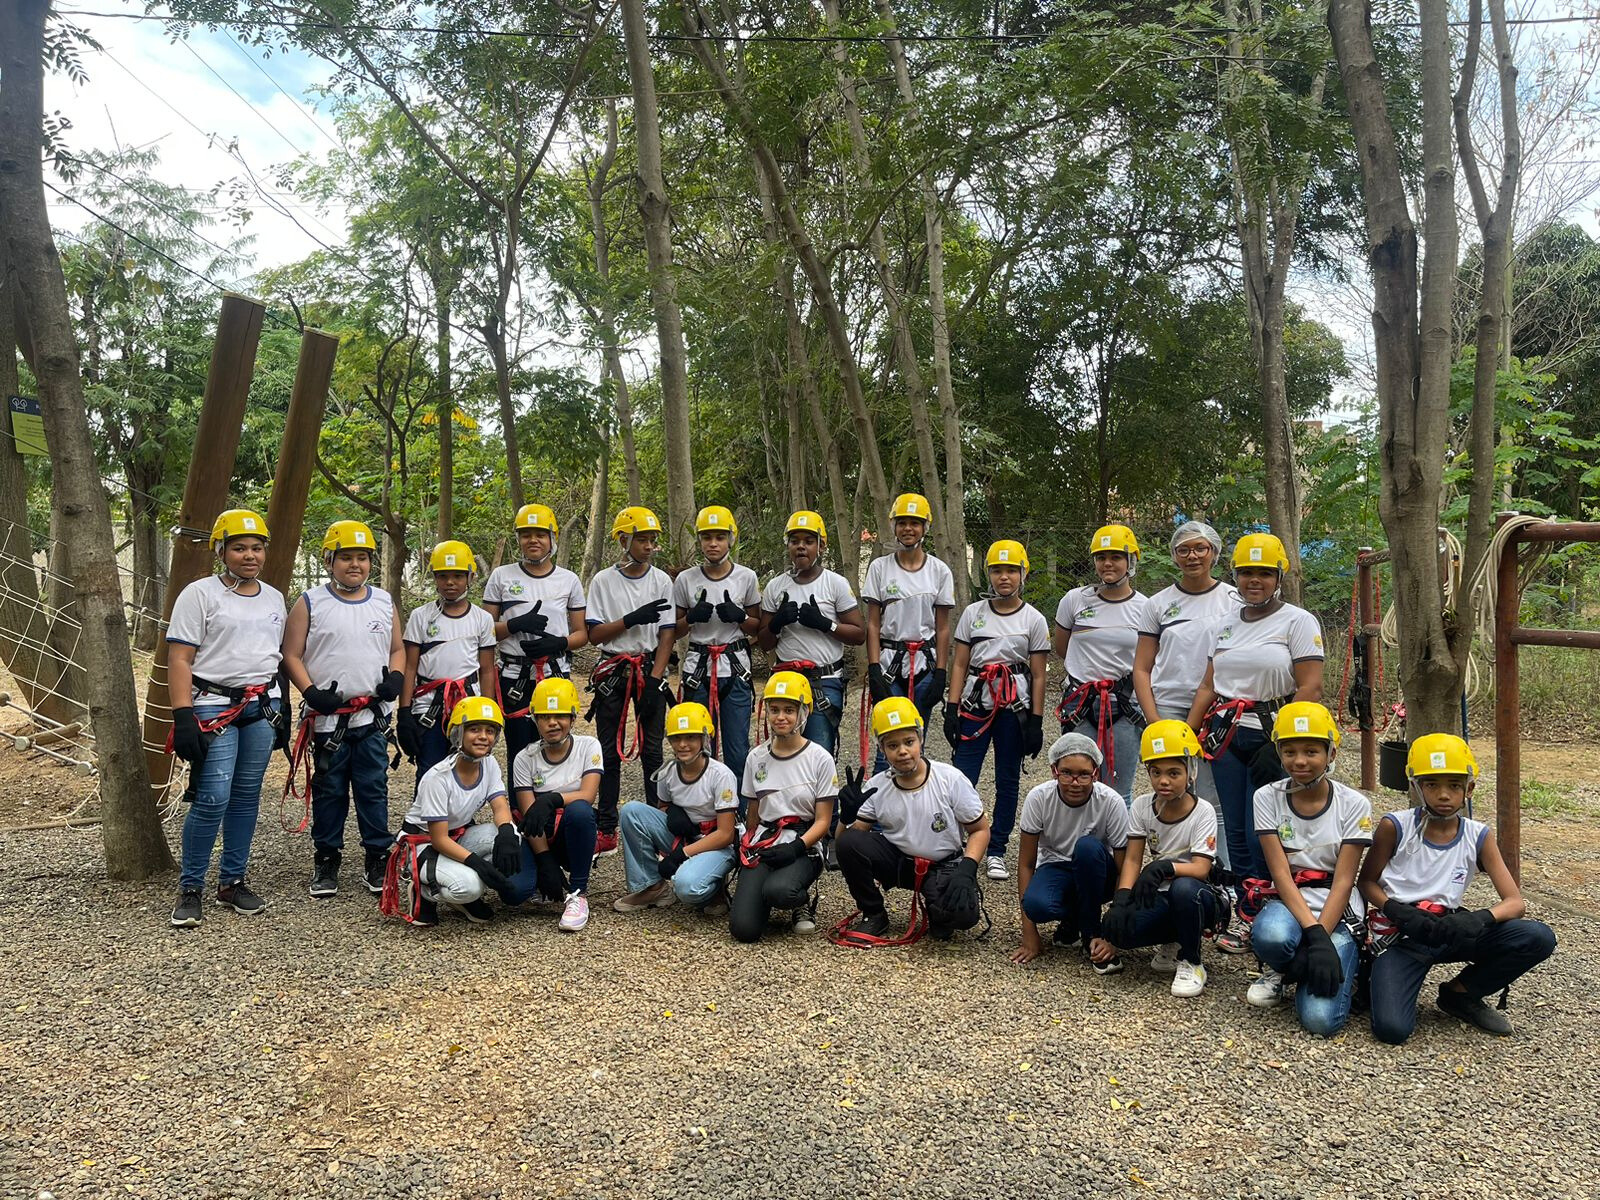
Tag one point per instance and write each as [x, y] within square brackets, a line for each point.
[1286, 833]
[515, 589]
[892, 590]
[1085, 613]
[1460, 875]
[538, 779]
[1172, 610]
[1211, 842]
[1365, 824]
[377, 626]
[761, 773]
[939, 823]
[979, 622]
[432, 630]
[727, 795]
[1225, 634]
[594, 760]
[1316, 640]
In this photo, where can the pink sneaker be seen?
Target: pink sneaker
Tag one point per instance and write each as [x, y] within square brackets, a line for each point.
[576, 914]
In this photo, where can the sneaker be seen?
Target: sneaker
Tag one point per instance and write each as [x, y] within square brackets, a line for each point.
[186, 914]
[427, 915]
[1234, 941]
[1112, 966]
[1065, 934]
[372, 874]
[325, 878]
[1474, 1010]
[1267, 991]
[830, 855]
[872, 924]
[1165, 959]
[605, 845]
[718, 907]
[995, 867]
[576, 914]
[657, 895]
[477, 911]
[1189, 978]
[241, 899]
[805, 919]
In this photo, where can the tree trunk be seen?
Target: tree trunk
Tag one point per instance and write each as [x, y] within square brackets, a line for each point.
[653, 208]
[445, 406]
[145, 521]
[605, 315]
[494, 336]
[135, 846]
[594, 542]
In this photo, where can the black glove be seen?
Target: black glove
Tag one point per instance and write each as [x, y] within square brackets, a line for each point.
[532, 621]
[552, 883]
[1412, 922]
[681, 825]
[508, 850]
[851, 797]
[730, 610]
[787, 613]
[545, 645]
[959, 897]
[536, 821]
[1033, 735]
[389, 689]
[188, 743]
[878, 683]
[281, 728]
[655, 699]
[1117, 925]
[490, 875]
[810, 615]
[784, 853]
[324, 700]
[409, 734]
[952, 724]
[935, 692]
[646, 614]
[701, 611]
[1317, 962]
[1147, 888]
[1460, 931]
[671, 861]
[1265, 766]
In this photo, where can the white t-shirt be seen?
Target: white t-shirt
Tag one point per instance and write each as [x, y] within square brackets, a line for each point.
[1104, 633]
[740, 586]
[789, 787]
[925, 822]
[614, 594]
[441, 796]
[450, 646]
[1182, 840]
[1184, 624]
[1314, 842]
[558, 593]
[797, 643]
[238, 639]
[347, 642]
[908, 599]
[716, 791]
[1424, 870]
[1059, 825]
[1254, 660]
[997, 637]
[532, 771]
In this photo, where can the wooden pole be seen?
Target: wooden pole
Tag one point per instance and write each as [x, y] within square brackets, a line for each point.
[1369, 666]
[297, 455]
[205, 494]
[1507, 706]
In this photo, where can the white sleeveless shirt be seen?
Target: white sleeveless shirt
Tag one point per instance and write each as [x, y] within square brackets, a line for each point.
[1424, 870]
[347, 641]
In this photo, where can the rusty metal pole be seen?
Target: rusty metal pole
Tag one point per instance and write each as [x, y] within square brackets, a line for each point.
[297, 455]
[1507, 709]
[205, 494]
[1364, 616]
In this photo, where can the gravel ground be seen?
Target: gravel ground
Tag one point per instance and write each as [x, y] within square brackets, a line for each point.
[320, 1051]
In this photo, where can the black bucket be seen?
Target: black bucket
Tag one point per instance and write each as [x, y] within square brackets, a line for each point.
[1392, 766]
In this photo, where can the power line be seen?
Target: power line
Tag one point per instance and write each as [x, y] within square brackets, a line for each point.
[305, 108]
[219, 78]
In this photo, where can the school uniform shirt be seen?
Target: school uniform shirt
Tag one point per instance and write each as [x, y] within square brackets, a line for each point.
[1314, 842]
[558, 593]
[789, 787]
[347, 642]
[996, 637]
[1424, 870]
[924, 822]
[1180, 840]
[797, 643]
[716, 791]
[441, 796]
[613, 595]
[532, 771]
[1059, 825]
[741, 586]
[449, 647]
[1104, 633]
[237, 640]
[908, 600]
[1255, 660]
[1183, 625]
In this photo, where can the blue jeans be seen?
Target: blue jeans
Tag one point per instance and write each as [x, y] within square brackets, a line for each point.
[1125, 744]
[645, 837]
[1180, 915]
[360, 765]
[1006, 734]
[434, 749]
[735, 702]
[1236, 793]
[823, 727]
[573, 845]
[1073, 892]
[924, 699]
[1505, 952]
[228, 798]
[1275, 937]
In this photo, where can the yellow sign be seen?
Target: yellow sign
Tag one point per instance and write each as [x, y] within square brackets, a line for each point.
[27, 425]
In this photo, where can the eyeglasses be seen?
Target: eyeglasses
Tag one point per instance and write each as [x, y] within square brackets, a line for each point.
[1075, 776]
[1191, 551]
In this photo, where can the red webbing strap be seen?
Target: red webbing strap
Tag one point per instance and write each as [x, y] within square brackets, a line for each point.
[537, 665]
[713, 655]
[452, 692]
[228, 715]
[633, 665]
[842, 935]
[1098, 692]
[1234, 709]
[1001, 683]
[301, 765]
[750, 846]
[1254, 893]
[405, 851]
[1381, 929]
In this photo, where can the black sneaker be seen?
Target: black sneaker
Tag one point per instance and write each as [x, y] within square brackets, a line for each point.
[241, 899]
[478, 912]
[325, 878]
[1112, 965]
[940, 933]
[372, 874]
[427, 915]
[1471, 1009]
[186, 914]
[872, 924]
[1065, 935]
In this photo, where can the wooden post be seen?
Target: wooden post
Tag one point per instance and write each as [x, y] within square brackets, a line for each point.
[205, 494]
[1366, 618]
[1507, 709]
[297, 455]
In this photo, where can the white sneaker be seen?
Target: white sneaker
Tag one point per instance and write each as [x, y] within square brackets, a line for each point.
[576, 914]
[1189, 980]
[995, 867]
[1267, 991]
[1165, 959]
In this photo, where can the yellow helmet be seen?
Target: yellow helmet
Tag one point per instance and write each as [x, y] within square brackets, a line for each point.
[238, 522]
[688, 717]
[1440, 754]
[1168, 739]
[1260, 550]
[914, 505]
[894, 714]
[554, 696]
[714, 517]
[537, 516]
[806, 521]
[1114, 539]
[473, 710]
[1305, 719]
[452, 556]
[1007, 553]
[636, 518]
[348, 535]
[788, 685]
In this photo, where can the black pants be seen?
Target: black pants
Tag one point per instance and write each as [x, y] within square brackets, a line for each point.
[867, 859]
[760, 889]
[608, 716]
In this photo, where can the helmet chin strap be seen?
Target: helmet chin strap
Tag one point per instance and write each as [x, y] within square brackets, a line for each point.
[1290, 786]
[1277, 592]
[539, 562]
[912, 769]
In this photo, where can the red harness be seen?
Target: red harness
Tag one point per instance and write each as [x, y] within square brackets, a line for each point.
[750, 846]
[633, 667]
[228, 715]
[451, 691]
[1254, 893]
[1231, 710]
[713, 653]
[1001, 681]
[300, 764]
[842, 935]
[1099, 693]
[538, 665]
[406, 853]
